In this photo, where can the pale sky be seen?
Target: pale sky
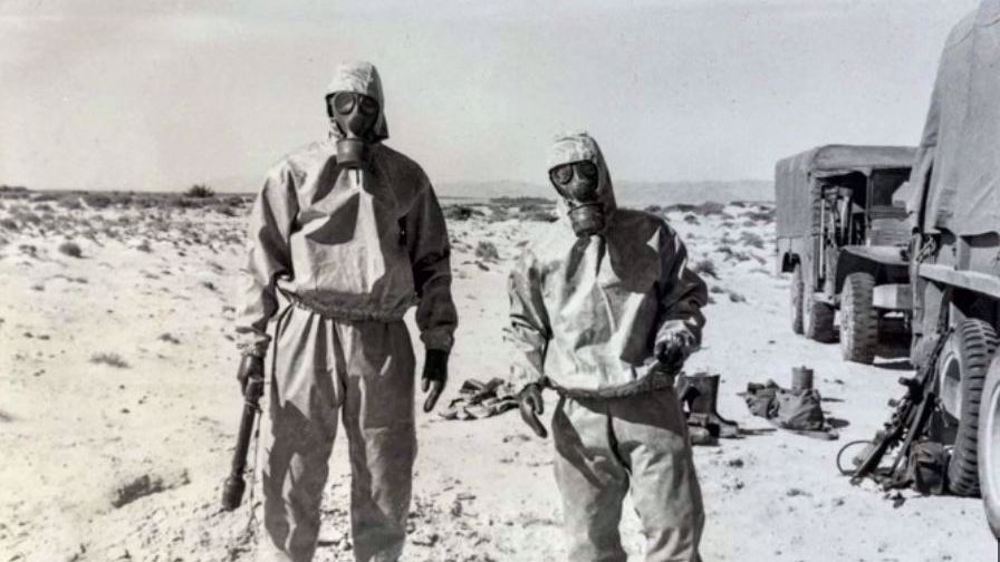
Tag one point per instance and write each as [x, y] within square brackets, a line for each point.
[102, 94]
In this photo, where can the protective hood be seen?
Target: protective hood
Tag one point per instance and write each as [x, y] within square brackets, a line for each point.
[576, 147]
[362, 78]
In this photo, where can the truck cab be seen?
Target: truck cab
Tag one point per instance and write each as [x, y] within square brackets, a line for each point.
[843, 235]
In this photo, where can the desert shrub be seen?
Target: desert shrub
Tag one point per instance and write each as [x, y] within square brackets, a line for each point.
[8, 224]
[461, 212]
[716, 289]
[71, 203]
[110, 359]
[709, 208]
[44, 197]
[736, 297]
[752, 239]
[763, 215]
[97, 200]
[520, 201]
[199, 191]
[71, 249]
[487, 250]
[144, 247]
[691, 219]
[189, 203]
[27, 217]
[225, 211]
[740, 257]
[231, 238]
[169, 338]
[499, 213]
[705, 266]
[680, 208]
[538, 214]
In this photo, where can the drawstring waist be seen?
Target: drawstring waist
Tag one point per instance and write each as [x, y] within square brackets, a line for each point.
[656, 379]
[344, 312]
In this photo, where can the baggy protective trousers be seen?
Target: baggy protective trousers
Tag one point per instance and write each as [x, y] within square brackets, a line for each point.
[607, 448]
[362, 372]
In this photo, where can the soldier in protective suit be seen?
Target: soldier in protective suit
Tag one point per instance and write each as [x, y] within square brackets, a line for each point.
[345, 236]
[608, 299]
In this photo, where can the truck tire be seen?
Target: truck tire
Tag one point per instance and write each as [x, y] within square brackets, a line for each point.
[975, 342]
[858, 319]
[817, 318]
[989, 446]
[798, 286]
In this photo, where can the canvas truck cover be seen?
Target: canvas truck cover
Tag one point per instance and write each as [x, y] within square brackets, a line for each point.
[792, 177]
[961, 140]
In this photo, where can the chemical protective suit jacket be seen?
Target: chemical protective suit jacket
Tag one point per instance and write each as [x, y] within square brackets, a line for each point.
[598, 304]
[357, 245]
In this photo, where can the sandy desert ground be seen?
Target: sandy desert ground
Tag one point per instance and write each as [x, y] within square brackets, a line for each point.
[118, 404]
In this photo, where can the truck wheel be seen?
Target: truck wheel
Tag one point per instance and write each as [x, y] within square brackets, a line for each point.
[858, 319]
[989, 446]
[965, 371]
[797, 288]
[817, 318]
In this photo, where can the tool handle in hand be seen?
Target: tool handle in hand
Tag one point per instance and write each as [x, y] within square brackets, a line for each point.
[232, 490]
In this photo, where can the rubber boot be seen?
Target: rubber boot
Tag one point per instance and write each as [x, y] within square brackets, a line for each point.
[700, 392]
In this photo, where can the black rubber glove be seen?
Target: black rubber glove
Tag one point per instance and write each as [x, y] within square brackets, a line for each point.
[251, 367]
[530, 402]
[435, 376]
[673, 348]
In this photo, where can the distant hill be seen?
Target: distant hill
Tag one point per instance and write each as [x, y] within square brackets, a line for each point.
[629, 193]
[641, 194]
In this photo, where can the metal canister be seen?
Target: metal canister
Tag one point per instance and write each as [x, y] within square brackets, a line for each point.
[802, 378]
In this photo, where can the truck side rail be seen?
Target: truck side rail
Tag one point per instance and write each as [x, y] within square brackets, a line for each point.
[971, 280]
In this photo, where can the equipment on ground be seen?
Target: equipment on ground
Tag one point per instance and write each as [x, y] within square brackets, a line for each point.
[700, 394]
[907, 424]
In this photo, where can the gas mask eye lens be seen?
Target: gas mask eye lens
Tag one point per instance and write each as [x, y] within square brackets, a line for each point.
[343, 102]
[587, 170]
[368, 106]
[561, 175]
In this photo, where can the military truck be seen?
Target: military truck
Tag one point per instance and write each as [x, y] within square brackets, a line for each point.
[844, 239]
[956, 257]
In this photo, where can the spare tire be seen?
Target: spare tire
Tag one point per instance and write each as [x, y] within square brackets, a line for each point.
[962, 374]
[858, 319]
[797, 288]
[989, 446]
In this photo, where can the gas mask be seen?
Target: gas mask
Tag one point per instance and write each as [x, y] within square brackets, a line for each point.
[577, 183]
[354, 115]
